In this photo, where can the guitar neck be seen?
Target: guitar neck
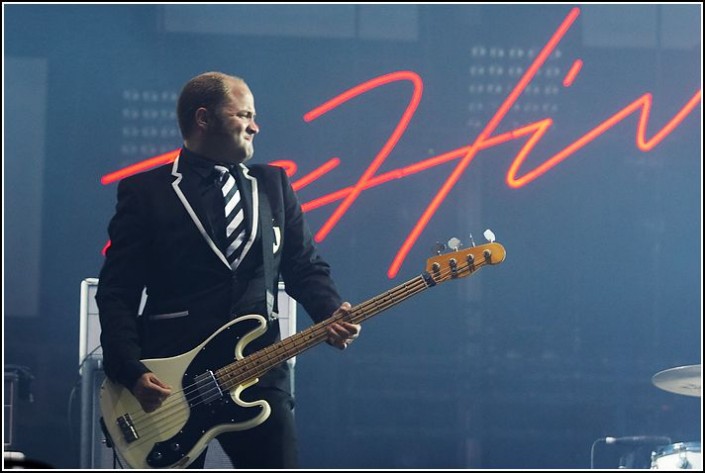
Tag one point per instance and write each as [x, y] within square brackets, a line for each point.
[258, 363]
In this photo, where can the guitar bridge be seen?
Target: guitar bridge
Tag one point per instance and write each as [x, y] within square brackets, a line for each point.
[127, 427]
[208, 387]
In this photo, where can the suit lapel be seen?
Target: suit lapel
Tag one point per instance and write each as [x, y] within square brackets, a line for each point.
[188, 194]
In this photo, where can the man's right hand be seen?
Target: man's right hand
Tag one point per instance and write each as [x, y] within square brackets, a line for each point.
[150, 391]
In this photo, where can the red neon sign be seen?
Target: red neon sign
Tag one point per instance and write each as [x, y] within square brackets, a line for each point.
[532, 131]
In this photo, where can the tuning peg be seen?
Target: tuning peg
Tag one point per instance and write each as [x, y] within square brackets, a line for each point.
[439, 248]
[472, 240]
[489, 235]
[454, 244]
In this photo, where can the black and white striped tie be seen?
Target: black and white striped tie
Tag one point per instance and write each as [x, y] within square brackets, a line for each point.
[235, 225]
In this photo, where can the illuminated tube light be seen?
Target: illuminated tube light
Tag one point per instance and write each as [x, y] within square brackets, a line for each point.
[386, 149]
[572, 73]
[141, 166]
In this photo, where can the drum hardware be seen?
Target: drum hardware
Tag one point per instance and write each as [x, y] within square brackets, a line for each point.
[678, 456]
[685, 380]
[635, 451]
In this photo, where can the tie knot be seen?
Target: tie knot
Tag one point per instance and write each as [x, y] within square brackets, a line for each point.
[223, 173]
[221, 169]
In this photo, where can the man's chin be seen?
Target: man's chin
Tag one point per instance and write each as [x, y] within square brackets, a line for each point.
[244, 155]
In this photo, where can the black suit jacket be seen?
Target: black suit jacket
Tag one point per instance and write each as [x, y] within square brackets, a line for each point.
[161, 239]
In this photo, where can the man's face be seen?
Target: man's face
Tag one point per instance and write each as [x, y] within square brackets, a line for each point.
[233, 126]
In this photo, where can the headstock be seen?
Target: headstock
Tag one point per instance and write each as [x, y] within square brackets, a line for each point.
[464, 261]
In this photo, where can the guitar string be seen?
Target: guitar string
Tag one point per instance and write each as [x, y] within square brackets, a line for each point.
[274, 350]
[166, 425]
[358, 314]
[246, 365]
[393, 293]
[418, 281]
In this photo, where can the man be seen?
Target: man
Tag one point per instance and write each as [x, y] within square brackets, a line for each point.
[209, 238]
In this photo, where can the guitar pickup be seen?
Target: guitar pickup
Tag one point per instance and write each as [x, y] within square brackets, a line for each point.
[127, 427]
[208, 387]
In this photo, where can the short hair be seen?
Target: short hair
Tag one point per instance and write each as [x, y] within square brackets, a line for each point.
[205, 90]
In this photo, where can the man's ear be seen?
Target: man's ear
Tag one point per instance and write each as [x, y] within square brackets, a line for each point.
[202, 118]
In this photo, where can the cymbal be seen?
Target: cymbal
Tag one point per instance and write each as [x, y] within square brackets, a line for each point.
[680, 380]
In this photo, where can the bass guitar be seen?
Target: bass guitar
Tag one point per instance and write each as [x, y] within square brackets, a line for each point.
[207, 399]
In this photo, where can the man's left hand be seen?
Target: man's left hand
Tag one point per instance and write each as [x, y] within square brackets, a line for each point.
[341, 334]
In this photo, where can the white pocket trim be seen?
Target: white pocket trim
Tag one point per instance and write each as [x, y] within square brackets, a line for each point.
[172, 315]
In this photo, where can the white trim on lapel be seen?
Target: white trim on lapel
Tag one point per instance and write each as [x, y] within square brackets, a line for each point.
[255, 215]
[175, 172]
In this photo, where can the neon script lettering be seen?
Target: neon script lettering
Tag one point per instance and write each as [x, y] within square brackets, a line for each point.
[532, 133]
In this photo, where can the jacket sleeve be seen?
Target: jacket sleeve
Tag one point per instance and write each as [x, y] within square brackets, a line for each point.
[120, 286]
[306, 275]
